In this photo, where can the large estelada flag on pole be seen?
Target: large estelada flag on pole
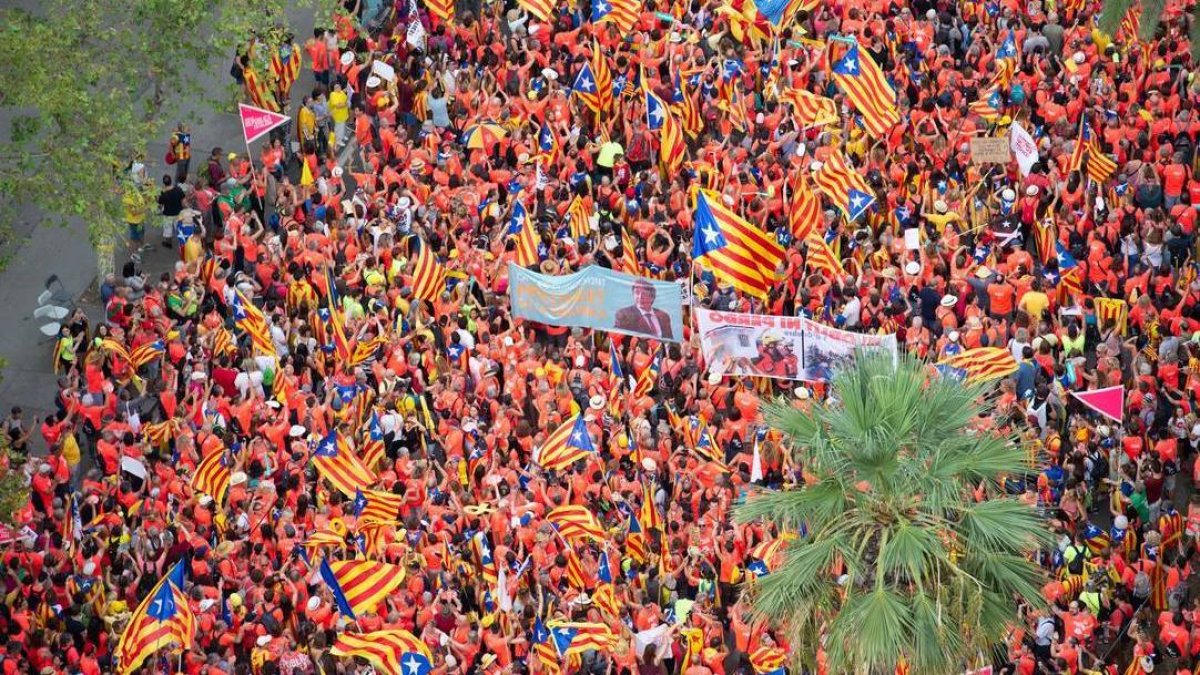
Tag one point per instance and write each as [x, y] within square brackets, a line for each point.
[257, 122]
[1109, 401]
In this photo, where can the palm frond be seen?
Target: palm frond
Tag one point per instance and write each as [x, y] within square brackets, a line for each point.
[810, 507]
[1149, 19]
[870, 630]
[1003, 526]
[923, 572]
[1111, 14]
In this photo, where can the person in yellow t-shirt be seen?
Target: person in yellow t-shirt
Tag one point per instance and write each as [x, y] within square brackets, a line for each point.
[306, 125]
[134, 204]
[339, 112]
[1034, 302]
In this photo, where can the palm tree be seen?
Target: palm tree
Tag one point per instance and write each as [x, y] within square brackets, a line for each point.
[898, 560]
[1150, 15]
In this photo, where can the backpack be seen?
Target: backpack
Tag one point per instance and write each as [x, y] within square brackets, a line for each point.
[942, 36]
[1075, 564]
[1141, 586]
[639, 148]
[1099, 465]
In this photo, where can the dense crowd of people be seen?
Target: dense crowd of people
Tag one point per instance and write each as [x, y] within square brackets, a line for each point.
[1087, 279]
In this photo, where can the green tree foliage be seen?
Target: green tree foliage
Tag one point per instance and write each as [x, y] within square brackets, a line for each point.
[87, 83]
[930, 573]
[1149, 17]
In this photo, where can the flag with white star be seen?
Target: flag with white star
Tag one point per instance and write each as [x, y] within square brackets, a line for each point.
[656, 112]
[394, 651]
[868, 90]
[623, 13]
[844, 186]
[585, 87]
[732, 248]
[566, 445]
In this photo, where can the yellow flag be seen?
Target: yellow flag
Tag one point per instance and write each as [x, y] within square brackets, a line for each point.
[306, 177]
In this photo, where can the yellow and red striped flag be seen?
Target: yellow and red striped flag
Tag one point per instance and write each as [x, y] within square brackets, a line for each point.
[623, 13]
[251, 320]
[684, 104]
[1045, 238]
[375, 536]
[442, 9]
[604, 79]
[1131, 23]
[543, 646]
[223, 342]
[358, 586]
[769, 554]
[285, 67]
[428, 276]
[804, 211]
[809, 109]
[332, 535]
[576, 522]
[648, 376]
[392, 652]
[605, 597]
[373, 450]
[822, 258]
[163, 619]
[113, 347]
[980, 364]
[635, 540]
[990, 106]
[867, 90]
[338, 464]
[212, 476]
[767, 659]
[650, 517]
[577, 637]
[377, 505]
[844, 186]
[566, 445]
[527, 243]
[732, 248]
[146, 353]
[542, 9]
[1099, 166]
[258, 92]
[578, 219]
[672, 149]
[1114, 310]
[365, 349]
[629, 259]
[577, 577]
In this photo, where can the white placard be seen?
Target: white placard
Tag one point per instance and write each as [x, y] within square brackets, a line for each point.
[383, 70]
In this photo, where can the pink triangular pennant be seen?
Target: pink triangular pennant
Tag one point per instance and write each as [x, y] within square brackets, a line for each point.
[256, 122]
[1109, 402]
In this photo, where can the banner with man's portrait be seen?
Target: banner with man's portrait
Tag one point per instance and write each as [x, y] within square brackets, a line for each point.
[783, 347]
[599, 298]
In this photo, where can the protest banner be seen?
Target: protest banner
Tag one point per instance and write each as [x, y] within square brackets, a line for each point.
[783, 347]
[989, 149]
[599, 298]
[1024, 148]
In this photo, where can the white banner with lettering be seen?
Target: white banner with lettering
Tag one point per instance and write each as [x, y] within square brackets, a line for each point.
[783, 347]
